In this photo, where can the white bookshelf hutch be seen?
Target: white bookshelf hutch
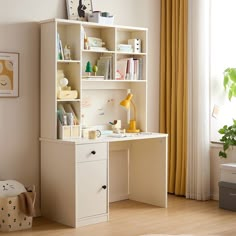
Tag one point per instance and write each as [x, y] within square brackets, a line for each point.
[76, 186]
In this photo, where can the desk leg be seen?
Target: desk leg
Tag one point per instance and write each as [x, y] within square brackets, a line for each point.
[148, 171]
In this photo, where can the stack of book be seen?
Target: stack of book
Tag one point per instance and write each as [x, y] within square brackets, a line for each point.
[129, 69]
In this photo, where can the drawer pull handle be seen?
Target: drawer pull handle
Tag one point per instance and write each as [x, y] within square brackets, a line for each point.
[93, 152]
[104, 186]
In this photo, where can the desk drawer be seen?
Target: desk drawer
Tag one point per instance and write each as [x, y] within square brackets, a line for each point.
[91, 152]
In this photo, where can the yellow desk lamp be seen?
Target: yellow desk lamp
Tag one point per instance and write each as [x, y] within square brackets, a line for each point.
[132, 123]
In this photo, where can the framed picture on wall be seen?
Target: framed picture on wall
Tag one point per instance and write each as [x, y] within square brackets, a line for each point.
[9, 74]
[79, 9]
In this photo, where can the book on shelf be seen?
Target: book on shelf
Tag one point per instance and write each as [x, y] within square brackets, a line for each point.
[129, 69]
[104, 65]
[121, 67]
[140, 69]
[60, 54]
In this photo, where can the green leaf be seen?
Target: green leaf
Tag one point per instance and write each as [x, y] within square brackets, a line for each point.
[226, 146]
[226, 81]
[221, 131]
[233, 89]
[222, 154]
[227, 70]
[232, 74]
[230, 94]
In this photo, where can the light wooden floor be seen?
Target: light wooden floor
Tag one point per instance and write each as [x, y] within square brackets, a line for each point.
[128, 218]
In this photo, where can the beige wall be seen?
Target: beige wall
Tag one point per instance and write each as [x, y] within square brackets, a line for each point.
[20, 32]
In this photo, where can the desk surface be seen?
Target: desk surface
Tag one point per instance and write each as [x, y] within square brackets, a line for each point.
[111, 138]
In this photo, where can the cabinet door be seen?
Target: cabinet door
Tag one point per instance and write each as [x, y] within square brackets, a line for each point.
[91, 182]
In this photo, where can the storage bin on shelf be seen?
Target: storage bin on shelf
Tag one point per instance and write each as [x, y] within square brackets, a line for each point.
[97, 18]
[11, 218]
[69, 131]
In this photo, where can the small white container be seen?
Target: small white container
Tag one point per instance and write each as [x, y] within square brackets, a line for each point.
[97, 18]
[228, 172]
[136, 45]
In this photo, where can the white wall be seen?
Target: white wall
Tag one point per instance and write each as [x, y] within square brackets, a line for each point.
[20, 32]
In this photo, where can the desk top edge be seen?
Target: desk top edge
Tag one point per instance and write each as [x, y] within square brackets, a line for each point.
[108, 139]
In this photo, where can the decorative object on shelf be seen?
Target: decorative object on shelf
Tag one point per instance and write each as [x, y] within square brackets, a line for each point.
[88, 68]
[101, 17]
[67, 52]
[95, 42]
[86, 46]
[95, 70]
[116, 126]
[79, 9]
[126, 104]
[63, 90]
[9, 74]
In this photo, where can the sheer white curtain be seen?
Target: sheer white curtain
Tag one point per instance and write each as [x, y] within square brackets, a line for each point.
[198, 160]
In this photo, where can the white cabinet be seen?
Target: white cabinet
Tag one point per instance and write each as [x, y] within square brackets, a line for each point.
[74, 182]
[91, 182]
[91, 188]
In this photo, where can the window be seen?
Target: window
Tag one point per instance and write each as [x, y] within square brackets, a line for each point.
[223, 55]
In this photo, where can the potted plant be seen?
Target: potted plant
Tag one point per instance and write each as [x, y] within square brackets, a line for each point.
[229, 132]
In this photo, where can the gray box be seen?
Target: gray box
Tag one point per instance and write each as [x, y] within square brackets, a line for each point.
[227, 195]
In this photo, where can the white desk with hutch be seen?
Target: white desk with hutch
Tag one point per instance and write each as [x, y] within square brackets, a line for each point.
[75, 172]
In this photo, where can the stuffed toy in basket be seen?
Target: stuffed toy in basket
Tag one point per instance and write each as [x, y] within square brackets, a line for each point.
[16, 206]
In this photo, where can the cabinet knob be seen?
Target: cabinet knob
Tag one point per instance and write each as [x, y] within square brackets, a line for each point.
[93, 152]
[104, 186]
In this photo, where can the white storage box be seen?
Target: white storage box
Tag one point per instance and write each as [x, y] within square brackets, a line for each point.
[67, 94]
[11, 218]
[228, 172]
[97, 18]
[136, 45]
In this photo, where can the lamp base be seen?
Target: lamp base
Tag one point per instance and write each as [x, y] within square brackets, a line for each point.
[132, 127]
[133, 131]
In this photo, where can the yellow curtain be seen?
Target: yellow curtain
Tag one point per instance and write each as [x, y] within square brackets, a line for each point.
[173, 89]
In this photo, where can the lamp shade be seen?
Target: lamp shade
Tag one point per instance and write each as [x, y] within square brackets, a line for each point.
[126, 102]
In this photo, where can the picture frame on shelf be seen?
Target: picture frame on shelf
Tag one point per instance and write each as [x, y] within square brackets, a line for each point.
[9, 74]
[79, 9]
